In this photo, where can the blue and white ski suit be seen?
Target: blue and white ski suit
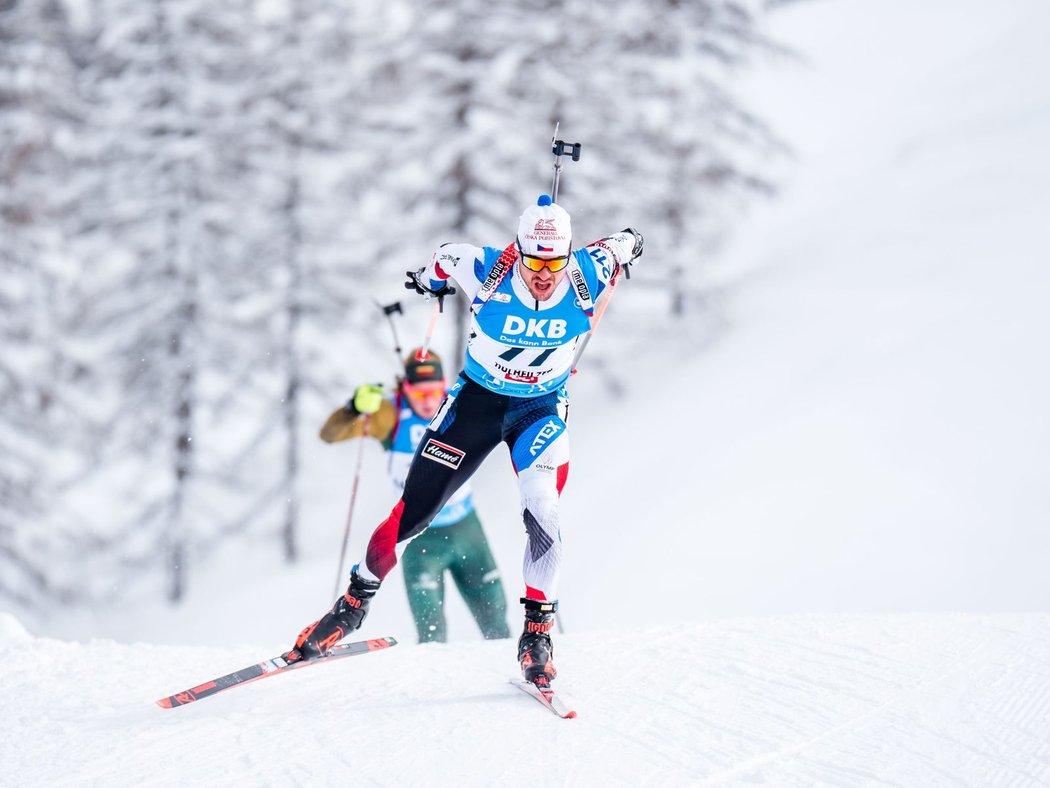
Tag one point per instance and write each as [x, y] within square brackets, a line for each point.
[512, 389]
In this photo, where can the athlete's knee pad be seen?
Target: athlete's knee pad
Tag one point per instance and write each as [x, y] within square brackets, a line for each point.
[541, 457]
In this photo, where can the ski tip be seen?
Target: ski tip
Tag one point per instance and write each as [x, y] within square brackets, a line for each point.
[180, 699]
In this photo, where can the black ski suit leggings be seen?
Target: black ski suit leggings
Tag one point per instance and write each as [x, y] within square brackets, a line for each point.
[472, 421]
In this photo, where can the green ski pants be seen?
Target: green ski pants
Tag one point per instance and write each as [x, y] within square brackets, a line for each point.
[462, 550]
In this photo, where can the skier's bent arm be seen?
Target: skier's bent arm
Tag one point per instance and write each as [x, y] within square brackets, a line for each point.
[620, 249]
[456, 262]
[348, 422]
[599, 262]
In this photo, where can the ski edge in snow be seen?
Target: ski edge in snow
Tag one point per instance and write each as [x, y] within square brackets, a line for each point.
[270, 667]
[547, 698]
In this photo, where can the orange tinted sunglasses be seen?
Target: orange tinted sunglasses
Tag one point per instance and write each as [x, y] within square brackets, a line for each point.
[555, 264]
[424, 393]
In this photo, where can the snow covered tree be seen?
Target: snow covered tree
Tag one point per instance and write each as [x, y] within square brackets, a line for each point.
[316, 263]
[200, 201]
[44, 434]
[168, 237]
[667, 147]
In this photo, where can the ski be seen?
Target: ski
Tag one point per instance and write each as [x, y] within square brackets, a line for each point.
[270, 667]
[547, 697]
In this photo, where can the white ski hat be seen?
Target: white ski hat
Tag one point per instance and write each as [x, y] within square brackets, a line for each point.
[544, 229]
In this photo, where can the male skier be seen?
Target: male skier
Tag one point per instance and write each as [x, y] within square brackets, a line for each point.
[531, 303]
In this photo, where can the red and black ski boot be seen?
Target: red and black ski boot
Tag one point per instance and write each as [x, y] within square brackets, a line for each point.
[535, 649]
[346, 615]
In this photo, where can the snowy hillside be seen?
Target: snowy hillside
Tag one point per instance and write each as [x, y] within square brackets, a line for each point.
[869, 433]
[829, 569]
[908, 700]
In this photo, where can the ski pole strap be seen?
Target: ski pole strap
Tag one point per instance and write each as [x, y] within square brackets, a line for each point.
[499, 272]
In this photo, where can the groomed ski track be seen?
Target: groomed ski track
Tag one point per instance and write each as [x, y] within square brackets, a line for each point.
[916, 700]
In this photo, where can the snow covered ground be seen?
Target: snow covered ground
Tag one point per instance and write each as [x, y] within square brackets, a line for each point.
[830, 570]
[919, 700]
